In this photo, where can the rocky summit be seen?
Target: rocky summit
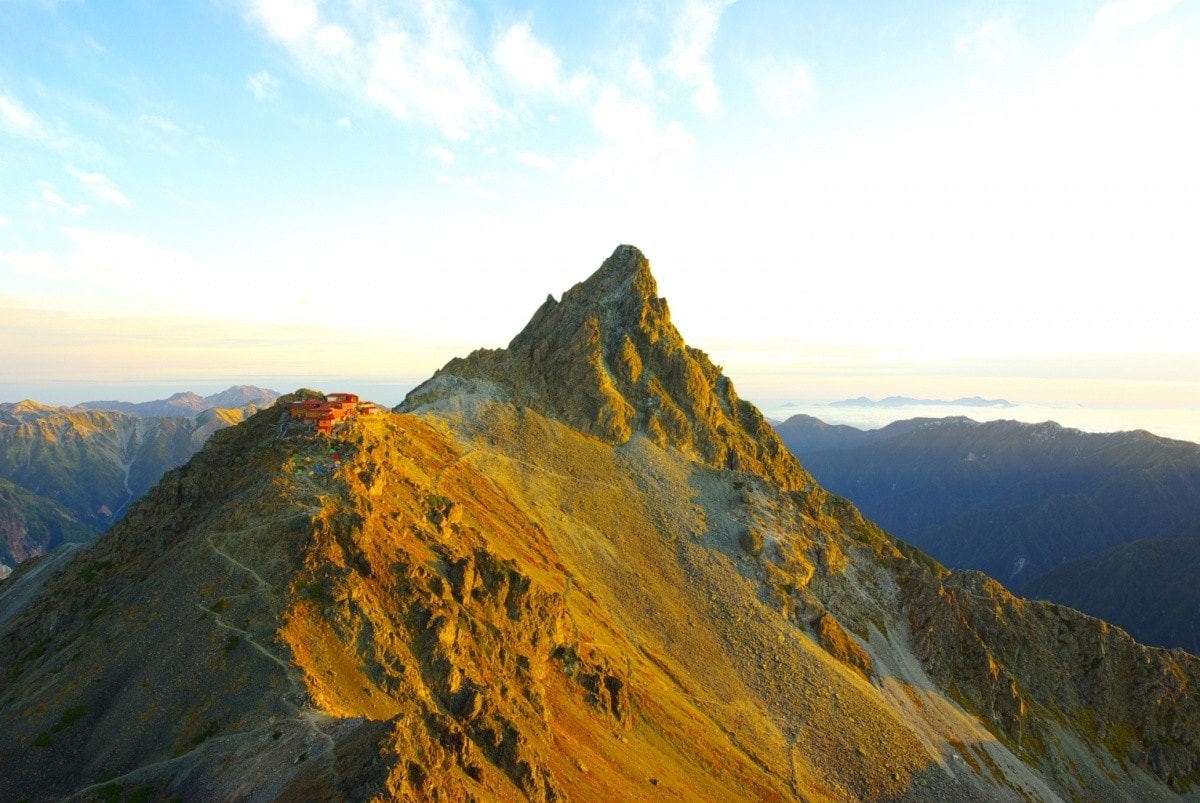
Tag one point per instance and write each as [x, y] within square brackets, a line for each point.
[576, 568]
[607, 361]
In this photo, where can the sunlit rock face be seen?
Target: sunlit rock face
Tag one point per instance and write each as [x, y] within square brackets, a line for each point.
[577, 568]
[607, 360]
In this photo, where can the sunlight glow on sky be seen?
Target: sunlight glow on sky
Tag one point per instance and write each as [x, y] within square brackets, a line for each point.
[994, 198]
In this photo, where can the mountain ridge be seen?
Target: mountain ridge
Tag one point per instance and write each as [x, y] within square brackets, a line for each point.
[479, 597]
[908, 401]
[1021, 501]
[1146, 586]
[188, 403]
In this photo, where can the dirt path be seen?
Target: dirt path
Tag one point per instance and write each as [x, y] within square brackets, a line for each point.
[314, 722]
[263, 584]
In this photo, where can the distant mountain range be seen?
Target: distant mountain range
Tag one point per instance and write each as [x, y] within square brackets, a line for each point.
[68, 473]
[189, 404]
[908, 401]
[1037, 506]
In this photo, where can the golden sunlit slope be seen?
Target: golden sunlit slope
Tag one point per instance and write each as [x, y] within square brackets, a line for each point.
[430, 621]
[401, 628]
[580, 571]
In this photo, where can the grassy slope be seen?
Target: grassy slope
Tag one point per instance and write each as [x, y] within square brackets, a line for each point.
[572, 616]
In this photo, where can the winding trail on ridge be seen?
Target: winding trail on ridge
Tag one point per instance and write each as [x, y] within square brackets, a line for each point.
[313, 720]
[263, 584]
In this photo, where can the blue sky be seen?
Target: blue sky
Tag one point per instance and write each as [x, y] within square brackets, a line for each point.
[838, 199]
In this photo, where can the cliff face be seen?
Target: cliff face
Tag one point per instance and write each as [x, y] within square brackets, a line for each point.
[1036, 670]
[522, 589]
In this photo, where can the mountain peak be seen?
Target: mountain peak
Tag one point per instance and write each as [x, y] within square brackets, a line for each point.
[626, 262]
[619, 300]
[622, 296]
[623, 279]
[607, 361]
[26, 406]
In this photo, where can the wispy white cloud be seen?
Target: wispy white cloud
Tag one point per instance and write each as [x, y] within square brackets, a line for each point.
[262, 85]
[159, 131]
[531, 64]
[40, 264]
[479, 186]
[442, 154]
[639, 75]
[334, 40]
[127, 258]
[629, 123]
[287, 20]
[693, 32]
[100, 186]
[160, 124]
[538, 161]
[416, 61]
[18, 120]
[201, 205]
[995, 40]
[783, 88]
[436, 79]
[1089, 169]
[113, 265]
[345, 122]
[535, 77]
[49, 200]
[1123, 15]
[636, 143]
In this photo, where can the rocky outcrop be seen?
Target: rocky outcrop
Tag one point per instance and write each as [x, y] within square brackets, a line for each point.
[607, 360]
[1032, 669]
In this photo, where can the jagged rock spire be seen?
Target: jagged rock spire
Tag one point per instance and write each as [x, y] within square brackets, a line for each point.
[607, 360]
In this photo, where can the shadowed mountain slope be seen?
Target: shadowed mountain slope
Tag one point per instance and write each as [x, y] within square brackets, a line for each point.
[806, 434]
[86, 464]
[31, 525]
[1150, 587]
[73, 472]
[497, 595]
[1014, 500]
